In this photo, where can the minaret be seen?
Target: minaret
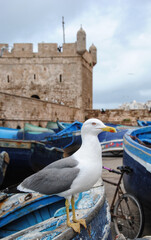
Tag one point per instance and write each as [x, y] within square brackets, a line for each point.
[93, 52]
[81, 41]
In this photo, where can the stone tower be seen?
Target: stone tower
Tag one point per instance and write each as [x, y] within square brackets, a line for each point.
[81, 41]
[93, 52]
[62, 77]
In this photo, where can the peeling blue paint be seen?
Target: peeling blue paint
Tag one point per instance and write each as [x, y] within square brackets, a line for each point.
[90, 205]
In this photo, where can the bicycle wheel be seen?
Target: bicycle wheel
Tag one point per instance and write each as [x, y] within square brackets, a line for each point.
[128, 216]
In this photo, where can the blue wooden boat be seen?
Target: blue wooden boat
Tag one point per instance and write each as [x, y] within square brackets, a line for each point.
[36, 216]
[26, 158]
[143, 123]
[57, 126]
[8, 133]
[69, 139]
[69, 142]
[137, 155]
[112, 142]
[32, 132]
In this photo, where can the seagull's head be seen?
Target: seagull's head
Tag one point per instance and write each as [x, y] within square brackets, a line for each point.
[94, 126]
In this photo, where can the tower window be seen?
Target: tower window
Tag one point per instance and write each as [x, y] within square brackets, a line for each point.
[60, 78]
[8, 78]
[34, 76]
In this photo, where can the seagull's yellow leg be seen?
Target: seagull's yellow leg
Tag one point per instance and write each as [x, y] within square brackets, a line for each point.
[82, 220]
[74, 226]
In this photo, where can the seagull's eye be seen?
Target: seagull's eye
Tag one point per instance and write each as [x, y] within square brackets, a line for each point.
[93, 123]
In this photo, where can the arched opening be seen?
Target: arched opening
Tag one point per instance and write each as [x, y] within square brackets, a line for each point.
[18, 127]
[35, 96]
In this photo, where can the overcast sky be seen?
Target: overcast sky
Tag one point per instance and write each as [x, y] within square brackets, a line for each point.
[120, 29]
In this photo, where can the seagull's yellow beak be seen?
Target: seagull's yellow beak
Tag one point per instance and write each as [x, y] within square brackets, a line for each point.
[109, 129]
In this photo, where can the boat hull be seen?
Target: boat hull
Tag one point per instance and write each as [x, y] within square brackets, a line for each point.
[138, 158]
[26, 158]
[112, 142]
[114, 146]
[91, 205]
[69, 142]
[139, 182]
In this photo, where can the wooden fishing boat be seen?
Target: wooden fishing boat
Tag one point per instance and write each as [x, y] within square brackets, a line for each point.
[137, 155]
[57, 126]
[69, 142]
[32, 132]
[112, 142]
[69, 139]
[8, 133]
[26, 158]
[143, 123]
[36, 216]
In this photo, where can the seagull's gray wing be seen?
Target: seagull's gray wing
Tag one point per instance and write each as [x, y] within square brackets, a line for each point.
[55, 178]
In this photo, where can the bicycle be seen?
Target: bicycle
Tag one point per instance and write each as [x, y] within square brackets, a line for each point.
[126, 212]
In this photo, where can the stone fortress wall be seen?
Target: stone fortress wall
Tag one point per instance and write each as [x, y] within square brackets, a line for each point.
[120, 116]
[15, 111]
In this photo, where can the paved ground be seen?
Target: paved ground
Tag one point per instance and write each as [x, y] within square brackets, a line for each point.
[113, 162]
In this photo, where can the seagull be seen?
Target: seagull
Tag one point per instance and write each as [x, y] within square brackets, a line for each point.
[74, 174]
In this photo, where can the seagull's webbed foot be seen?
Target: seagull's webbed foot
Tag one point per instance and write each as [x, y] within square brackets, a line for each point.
[81, 221]
[75, 226]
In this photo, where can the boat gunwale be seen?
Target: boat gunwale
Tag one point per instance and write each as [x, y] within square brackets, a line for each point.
[25, 144]
[129, 141]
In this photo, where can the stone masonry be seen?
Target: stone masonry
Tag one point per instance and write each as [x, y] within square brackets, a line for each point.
[54, 74]
[23, 109]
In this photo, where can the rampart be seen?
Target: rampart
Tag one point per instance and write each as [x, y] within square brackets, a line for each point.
[22, 109]
[119, 116]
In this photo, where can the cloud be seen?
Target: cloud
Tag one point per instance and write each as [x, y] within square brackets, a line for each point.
[24, 19]
[120, 29]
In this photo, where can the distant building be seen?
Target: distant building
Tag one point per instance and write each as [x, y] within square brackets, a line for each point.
[135, 105]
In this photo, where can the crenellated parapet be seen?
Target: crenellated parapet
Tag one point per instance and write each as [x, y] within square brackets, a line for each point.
[50, 49]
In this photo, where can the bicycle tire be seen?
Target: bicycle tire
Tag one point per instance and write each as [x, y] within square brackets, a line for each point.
[131, 225]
